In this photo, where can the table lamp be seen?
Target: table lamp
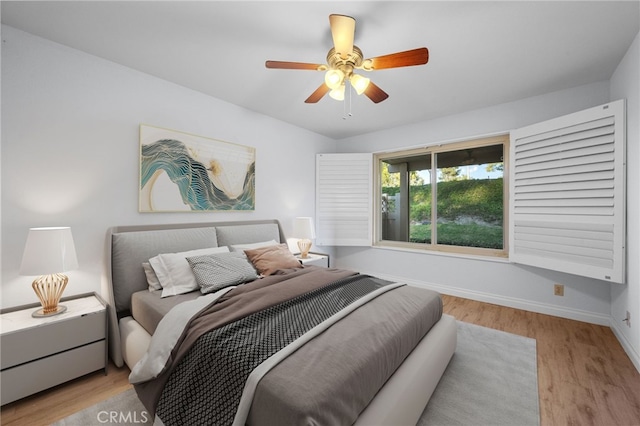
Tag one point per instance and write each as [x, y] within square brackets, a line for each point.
[304, 230]
[48, 253]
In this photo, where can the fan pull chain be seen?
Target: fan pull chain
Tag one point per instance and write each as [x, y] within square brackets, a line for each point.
[346, 114]
[344, 108]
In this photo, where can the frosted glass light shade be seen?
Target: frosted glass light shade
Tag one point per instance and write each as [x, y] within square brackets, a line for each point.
[334, 78]
[337, 94]
[359, 83]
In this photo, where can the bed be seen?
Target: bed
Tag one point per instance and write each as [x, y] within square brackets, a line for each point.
[302, 381]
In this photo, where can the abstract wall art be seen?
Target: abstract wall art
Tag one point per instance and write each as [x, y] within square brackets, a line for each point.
[184, 172]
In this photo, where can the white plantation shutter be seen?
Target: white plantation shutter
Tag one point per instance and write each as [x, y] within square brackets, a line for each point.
[567, 189]
[344, 199]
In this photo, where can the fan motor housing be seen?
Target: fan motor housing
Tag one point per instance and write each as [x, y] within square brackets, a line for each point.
[353, 60]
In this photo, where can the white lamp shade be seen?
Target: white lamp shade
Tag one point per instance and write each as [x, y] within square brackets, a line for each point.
[303, 228]
[48, 251]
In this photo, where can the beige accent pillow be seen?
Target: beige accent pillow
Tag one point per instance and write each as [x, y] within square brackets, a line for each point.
[268, 260]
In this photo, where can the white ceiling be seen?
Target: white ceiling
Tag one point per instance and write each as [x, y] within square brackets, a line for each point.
[481, 53]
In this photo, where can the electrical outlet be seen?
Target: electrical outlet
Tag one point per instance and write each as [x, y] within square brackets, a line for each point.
[558, 290]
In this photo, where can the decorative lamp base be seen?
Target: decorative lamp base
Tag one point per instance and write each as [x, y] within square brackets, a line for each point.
[41, 314]
[304, 246]
[49, 289]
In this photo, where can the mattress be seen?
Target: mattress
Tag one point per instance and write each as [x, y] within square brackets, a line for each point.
[148, 308]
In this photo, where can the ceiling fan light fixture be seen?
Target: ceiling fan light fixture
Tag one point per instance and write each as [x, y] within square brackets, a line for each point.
[338, 93]
[359, 83]
[345, 57]
[334, 78]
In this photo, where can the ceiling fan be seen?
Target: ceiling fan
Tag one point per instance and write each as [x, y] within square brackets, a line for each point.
[345, 57]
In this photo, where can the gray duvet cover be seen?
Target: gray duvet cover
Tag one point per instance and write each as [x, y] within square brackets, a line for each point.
[331, 379]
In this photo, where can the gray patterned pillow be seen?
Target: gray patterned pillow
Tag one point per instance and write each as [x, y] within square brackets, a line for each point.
[216, 271]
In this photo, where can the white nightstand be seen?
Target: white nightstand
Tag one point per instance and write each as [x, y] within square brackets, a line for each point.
[317, 259]
[38, 353]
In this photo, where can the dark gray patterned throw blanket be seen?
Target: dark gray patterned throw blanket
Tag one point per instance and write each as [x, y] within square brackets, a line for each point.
[206, 387]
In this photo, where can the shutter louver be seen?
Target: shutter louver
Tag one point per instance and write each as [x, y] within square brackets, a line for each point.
[567, 194]
[343, 199]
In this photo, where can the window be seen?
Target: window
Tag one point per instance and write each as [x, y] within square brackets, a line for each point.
[566, 196]
[448, 198]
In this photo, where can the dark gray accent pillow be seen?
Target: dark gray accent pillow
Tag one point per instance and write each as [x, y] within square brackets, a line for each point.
[217, 271]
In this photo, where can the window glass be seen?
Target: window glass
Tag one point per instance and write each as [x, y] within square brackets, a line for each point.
[470, 197]
[444, 198]
[406, 199]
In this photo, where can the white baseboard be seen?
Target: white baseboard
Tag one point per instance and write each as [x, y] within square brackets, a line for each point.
[626, 345]
[511, 302]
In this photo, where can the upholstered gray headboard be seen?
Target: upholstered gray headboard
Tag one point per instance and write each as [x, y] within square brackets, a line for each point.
[130, 246]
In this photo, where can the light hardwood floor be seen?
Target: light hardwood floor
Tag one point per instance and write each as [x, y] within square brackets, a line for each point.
[584, 375]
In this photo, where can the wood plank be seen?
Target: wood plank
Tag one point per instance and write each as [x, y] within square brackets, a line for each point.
[584, 375]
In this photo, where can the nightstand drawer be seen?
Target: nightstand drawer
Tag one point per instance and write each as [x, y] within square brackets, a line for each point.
[27, 379]
[50, 338]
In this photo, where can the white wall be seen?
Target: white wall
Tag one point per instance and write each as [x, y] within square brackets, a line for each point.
[625, 83]
[70, 153]
[495, 281]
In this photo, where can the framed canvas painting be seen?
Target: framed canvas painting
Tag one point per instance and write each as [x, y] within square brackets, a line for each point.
[184, 172]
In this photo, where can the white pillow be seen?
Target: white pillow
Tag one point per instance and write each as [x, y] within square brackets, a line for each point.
[152, 278]
[251, 246]
[174, 272]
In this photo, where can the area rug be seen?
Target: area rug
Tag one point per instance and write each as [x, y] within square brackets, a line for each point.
[491, 380]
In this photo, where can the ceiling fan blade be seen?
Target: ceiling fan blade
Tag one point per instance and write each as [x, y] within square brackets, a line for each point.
[318, 94]
[400, 59]
[343, 30]
[375, 93]
[294, 65]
